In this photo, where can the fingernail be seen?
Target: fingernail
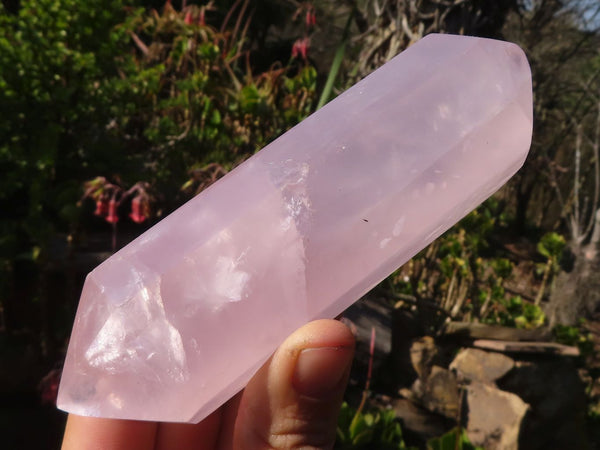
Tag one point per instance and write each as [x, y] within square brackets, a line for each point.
[319, 371]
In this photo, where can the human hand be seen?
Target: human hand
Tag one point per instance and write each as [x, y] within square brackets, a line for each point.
[292, 402]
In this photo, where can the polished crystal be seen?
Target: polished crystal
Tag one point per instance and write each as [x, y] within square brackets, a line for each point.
[174, 324]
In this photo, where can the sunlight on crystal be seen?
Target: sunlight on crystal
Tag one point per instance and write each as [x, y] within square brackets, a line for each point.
[133, 333]
[384, 242]
[229, 281]
[398, 226]
[115, 400]
[444, 110]
[177, 322]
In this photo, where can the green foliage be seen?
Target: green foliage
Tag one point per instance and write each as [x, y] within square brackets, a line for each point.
[336, 64]
[54, 56]
[103, 88]
[551, 246]
[459, 269]
[378, 429]
[514, 312]
[502, 267]
[576, 336]
[467, 278]
[381, 430]
[95, 87]
[455, 439]
[195, 102]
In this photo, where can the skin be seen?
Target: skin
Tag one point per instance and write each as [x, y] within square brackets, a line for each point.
[291, 403]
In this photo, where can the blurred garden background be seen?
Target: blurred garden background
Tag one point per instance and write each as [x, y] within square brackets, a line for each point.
[113, 113]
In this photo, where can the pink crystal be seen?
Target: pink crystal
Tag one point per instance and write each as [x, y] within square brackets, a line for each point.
[177, 322]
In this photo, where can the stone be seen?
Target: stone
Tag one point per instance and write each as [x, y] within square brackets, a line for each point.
[423, 352]
[177, 322]
[478, 365]
[467, 331]
[439, 392]
[551, 385]
[419, 423]
[514, 347]
[494, 417]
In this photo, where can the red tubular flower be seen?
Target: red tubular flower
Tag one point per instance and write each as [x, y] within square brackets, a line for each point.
[188, 18]
[139, 210]
[112, 216]
[311, 18]
[101, 207]
[49, 387]
[201, 18]
[300, 48]
[371, 354]
[303, 47]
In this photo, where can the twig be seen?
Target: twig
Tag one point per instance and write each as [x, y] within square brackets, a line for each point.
[369, 373]
[114, 238]
[596, 155]
[576, 180]
[139, 43]
[526, 296]
[415, 301]
[228, 15]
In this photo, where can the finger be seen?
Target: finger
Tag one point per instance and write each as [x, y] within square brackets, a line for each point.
[293, 401]
[228, 419]
[184, 436]
[108, 434]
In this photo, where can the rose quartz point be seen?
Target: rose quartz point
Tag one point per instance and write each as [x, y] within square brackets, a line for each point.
[173, 325]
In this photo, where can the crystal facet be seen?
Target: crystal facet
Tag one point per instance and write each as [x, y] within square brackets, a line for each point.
[177, 322]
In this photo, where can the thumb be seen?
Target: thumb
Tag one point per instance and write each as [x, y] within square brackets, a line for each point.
[294, 399]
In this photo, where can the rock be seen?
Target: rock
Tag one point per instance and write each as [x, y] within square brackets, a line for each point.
[540, 348]
[419, 424]
[478, 365]
[468, 330]
[422, 354]
[494, 417]
[558, 403]
[440, 392]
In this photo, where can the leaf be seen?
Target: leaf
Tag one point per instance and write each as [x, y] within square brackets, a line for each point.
[336, 63]
[551, 246]
[449, 441]
[363, 438]
[357, 426]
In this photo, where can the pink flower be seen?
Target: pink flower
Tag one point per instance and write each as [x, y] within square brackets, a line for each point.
[201, 18]
[49, 387]
[101, 207]
[311, 18]
[139, 209]
[112, 216]
[300, 48]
